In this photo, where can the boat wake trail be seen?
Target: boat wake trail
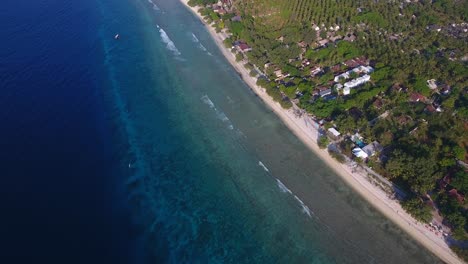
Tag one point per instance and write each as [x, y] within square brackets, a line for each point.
[284, 189]
[169, 43]
[219, 114]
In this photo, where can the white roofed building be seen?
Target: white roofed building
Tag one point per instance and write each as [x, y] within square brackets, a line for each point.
[346, 90]
[358, 81]
[343, 76]
[359, 70]
[358, 152]
[334, 134]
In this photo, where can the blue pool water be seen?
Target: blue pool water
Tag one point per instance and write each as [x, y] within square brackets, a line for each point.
[360, 143]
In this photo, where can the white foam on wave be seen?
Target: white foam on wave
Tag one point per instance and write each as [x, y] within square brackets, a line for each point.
[222, 116]
[263, 166]
[240, 133]
[208, 101]
[305, 208]
[169, 43]
[200, 46]
[283, 187]
[155, 7]
[219, 114]
[194, 38]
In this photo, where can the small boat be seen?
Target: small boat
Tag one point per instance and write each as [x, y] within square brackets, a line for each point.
[117, 36]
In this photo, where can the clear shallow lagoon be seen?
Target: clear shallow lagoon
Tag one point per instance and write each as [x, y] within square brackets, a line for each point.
[152, 149]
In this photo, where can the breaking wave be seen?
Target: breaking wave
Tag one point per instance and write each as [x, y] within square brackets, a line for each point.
[222, 116]
[194, 38]
[283, 187]
[155, 7]
[200, 46]
[263, 166]
[219, 114]
[305, 208]
[208, 101]
[169, 44]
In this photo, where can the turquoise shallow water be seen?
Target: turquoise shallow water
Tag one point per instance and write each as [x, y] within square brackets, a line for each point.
[154, 150]
[215, 176]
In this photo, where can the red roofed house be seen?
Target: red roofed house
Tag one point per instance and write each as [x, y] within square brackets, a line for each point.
[378, 103]
[455, 194]
[351, 63]
[445, 181]
[336, 68]
[398, 88]
[417, 97]
[221, 11]
[244, 47]
[362, 61]
[430, 109]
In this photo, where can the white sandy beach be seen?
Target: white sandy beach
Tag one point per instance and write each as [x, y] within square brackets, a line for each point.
[357, 180]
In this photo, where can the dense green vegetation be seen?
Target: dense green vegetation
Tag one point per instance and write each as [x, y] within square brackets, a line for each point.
[418, 209]
[323, 142]
[201, 2]
[423, 131]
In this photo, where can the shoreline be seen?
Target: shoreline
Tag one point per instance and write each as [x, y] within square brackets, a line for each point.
[357, 181]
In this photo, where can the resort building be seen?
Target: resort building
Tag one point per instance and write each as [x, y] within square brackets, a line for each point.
[358, 81]
[338, 87]
[343, 76]
[346, 90]
[358, 70]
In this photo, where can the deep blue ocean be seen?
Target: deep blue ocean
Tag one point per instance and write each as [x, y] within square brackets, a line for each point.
[61, 195]
[151, 149]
